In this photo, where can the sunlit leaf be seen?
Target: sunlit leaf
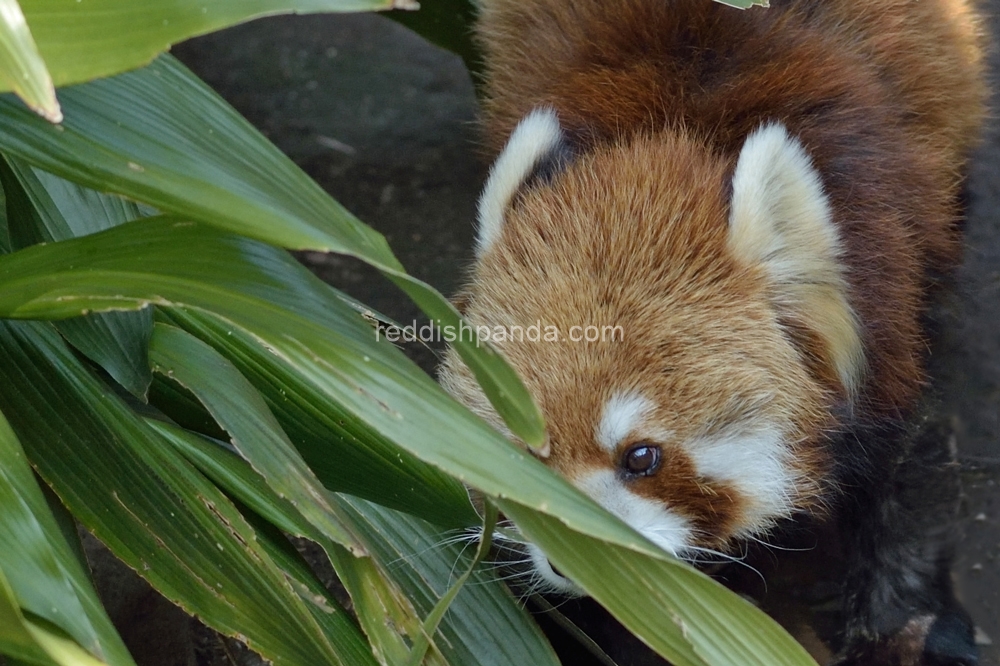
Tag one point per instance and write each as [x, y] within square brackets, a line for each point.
[21, 67]
[159, 135]
[88, 39]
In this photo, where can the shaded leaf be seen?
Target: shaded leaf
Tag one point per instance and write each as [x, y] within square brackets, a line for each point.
[44, 208]
[448, 24]
[152, 509]
[256, 435]
[382, 609]
[45, 575]
[485, 627]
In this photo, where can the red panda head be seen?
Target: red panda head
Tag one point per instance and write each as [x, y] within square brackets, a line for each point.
[722, 330]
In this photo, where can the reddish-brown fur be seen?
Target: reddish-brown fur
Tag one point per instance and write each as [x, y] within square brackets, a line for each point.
[885, 96]
[657, 99]
[744, 308]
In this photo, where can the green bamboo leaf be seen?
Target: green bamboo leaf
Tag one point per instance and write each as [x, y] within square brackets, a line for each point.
[89, 39]
[16, 639]
[43, 208]
[443, 605]
[159, 135]
[58, 647]
[710, 625]
[152, 509]
[382, 609]
[242, 412]
[140, 262]
[43, 571]
[483, 625]
[4, 234]
[318, 600]
[404, 554]
[347, 454]
[21, 67]
[263, 290]
[222, 270]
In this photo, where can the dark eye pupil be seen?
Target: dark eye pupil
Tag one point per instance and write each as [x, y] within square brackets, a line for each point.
[642, 459]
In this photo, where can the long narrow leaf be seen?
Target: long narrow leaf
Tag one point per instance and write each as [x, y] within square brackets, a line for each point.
[383, 610]
[159, 135]
[710, 624]
[43, 208]
[15, 637]
[94, 38]
[347, 454]
[46, 577]
[152, 509]
[486, 627]
[21, 67]
[256, 435]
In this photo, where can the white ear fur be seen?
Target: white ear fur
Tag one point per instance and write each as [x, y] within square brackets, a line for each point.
[537, 134]
[780, 220]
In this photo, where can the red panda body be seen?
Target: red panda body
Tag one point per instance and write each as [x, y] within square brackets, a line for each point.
[760, 200]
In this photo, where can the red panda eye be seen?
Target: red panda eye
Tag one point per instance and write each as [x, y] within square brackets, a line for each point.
[642, 460]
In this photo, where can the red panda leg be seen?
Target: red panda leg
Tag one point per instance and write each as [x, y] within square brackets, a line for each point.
[898, 532]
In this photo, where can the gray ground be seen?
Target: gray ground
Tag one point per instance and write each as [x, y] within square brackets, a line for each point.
[383, 121]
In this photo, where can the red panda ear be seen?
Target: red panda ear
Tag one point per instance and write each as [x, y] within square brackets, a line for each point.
[780, 221]
[535, 150]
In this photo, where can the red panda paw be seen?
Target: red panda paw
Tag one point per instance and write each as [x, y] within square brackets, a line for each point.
[927, 640]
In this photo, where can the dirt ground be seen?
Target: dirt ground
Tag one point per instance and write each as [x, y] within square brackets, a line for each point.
[384, 122]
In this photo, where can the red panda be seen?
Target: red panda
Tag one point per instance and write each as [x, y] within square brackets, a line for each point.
[760, 200]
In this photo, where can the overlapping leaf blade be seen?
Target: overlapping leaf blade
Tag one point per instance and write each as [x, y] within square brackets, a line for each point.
[43, 208]
[159, 135]
[138, 263]
[44, 573]
[347, 454]
[711, 626]
[255, 433]
[152, 508]
[15, 638]
[484, 627]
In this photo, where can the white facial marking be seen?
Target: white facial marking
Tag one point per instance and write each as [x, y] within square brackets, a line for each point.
[537, 134]
[757, 465]
[652, 519]
[623, 413]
